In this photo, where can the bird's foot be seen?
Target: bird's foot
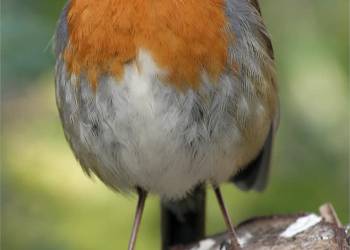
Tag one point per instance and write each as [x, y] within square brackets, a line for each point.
[229, 245]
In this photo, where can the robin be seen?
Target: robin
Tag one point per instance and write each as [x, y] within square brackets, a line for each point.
[167, 96]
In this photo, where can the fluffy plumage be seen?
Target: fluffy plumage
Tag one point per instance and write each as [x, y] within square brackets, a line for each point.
[168, 120]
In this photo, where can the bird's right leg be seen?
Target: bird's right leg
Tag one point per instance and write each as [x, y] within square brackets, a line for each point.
[233, 236]
[142, 195]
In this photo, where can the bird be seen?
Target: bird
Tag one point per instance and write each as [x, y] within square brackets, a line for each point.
[167, 97]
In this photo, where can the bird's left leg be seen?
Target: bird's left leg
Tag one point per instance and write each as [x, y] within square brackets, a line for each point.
[142, 195]
[233, 236]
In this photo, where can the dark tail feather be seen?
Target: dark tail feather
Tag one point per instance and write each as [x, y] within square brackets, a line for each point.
[183, 221]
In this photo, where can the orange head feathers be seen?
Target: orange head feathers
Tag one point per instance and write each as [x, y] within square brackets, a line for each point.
[183, 37]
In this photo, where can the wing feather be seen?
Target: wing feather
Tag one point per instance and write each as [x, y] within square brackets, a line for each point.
[248, 19]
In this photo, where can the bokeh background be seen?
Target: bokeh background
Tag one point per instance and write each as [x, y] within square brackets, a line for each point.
[48, 203]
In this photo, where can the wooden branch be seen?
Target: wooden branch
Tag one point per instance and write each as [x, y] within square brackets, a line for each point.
[328, 213]
[304, 231]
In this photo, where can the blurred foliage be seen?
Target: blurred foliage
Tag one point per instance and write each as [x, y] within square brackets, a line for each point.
[27, 30]
[47, 203]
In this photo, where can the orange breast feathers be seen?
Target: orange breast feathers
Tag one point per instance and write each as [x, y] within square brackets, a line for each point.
[184, 37]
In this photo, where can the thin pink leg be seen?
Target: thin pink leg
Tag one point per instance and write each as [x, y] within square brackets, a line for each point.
[231, 230]
[142, 195]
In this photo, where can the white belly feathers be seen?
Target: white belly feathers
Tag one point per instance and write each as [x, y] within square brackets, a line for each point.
[139, 131]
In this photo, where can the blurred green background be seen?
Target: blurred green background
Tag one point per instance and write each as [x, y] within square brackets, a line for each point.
[48, 203]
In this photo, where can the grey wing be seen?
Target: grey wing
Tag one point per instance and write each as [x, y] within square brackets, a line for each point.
[255, 3]
[247, 20]
[264, 35]
[255, 174]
